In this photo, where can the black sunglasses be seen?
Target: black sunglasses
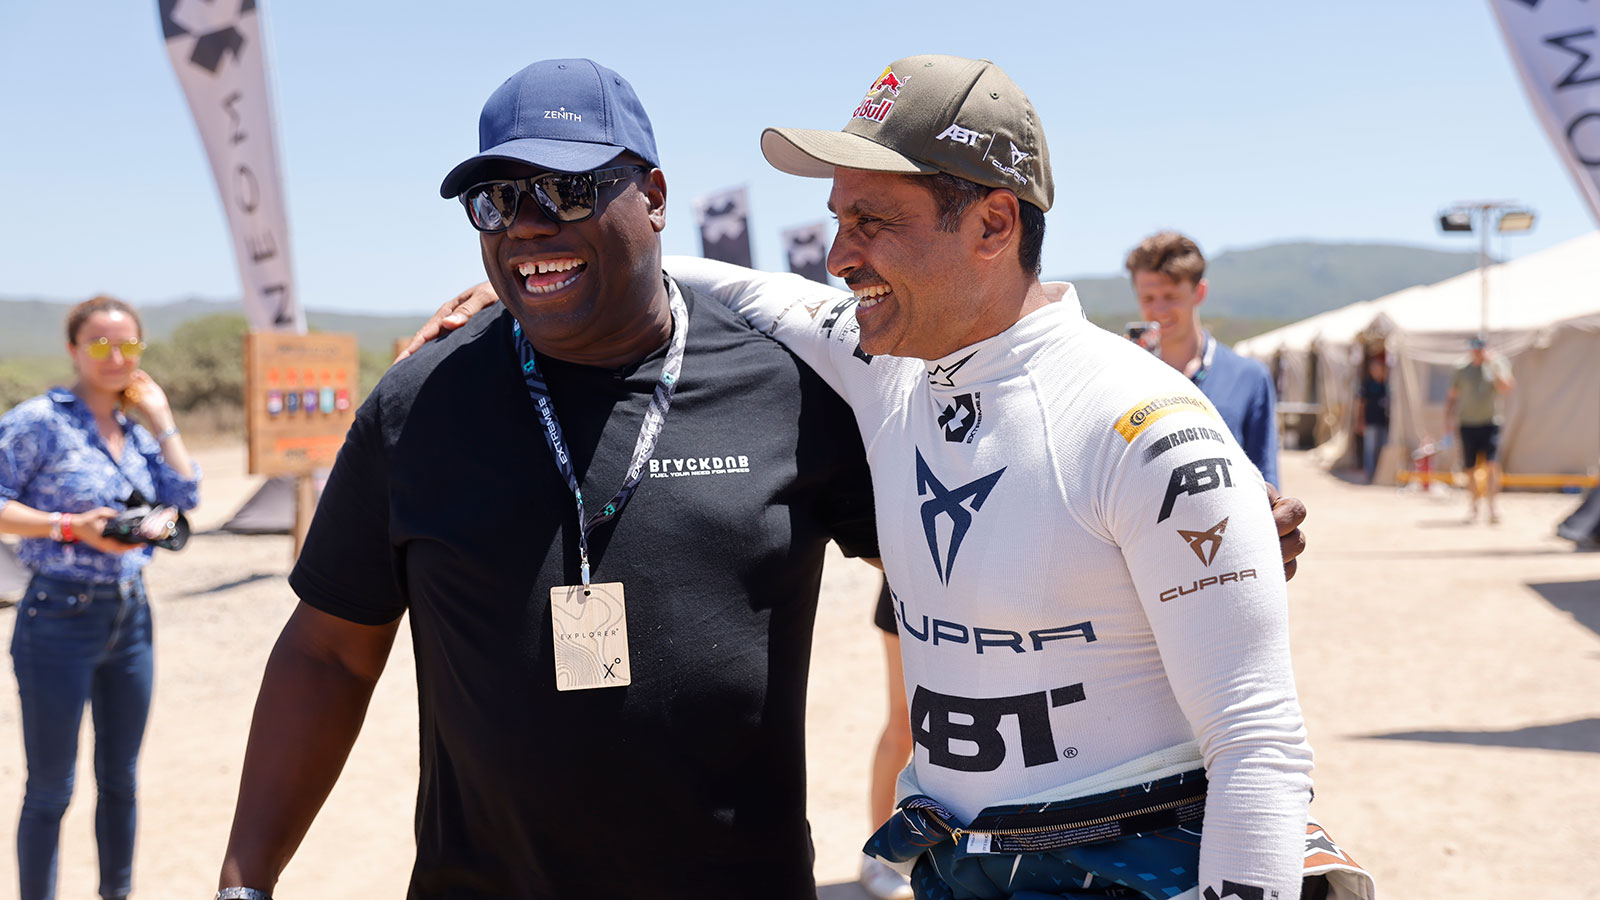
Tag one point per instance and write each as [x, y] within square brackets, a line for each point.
[563, 196]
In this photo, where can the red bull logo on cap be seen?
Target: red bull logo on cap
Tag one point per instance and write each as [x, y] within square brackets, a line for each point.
[888, 81]
[875, 106]
[874, 110]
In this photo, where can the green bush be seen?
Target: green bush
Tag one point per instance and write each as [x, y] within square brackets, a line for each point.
[201, 368]
[373, 365]
[24, 377]
[202, 364]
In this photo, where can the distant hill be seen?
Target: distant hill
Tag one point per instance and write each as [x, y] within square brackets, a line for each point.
[37, 327]
[1251, 290]
[1227, 329]
[1288, 282]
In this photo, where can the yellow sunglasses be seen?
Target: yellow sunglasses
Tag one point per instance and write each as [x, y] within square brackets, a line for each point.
[100, 350]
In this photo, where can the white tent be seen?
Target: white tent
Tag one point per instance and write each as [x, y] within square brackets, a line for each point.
[1315, 361]
[1544, 317]
[1286, 353]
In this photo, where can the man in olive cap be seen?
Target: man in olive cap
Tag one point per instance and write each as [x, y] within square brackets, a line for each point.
[1093, 619]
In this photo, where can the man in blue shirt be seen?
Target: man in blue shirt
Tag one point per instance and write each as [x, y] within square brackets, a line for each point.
[1168, 274]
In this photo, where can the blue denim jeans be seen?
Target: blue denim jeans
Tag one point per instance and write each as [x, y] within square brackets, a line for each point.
[1372, 441]
[1124, 842]
[76, 643]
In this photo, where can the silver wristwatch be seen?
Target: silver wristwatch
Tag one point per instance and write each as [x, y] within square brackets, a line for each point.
[242, 893]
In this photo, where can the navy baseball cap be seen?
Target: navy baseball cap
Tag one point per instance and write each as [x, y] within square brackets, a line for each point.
[564, 115]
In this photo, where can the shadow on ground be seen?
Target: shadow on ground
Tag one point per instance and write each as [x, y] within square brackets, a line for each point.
[1581, 735]
[849, 890]
[1460, 521]
[230, 585]
[1463, 553]
[1578, 599]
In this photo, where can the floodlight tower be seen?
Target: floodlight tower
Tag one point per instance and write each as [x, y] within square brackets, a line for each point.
[1508, 218]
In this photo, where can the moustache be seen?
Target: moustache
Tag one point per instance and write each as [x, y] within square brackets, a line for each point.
[862, 276]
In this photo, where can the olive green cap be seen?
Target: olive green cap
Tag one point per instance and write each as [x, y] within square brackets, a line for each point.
[927, 114]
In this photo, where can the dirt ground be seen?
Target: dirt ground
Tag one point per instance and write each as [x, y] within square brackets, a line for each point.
[1448, 673]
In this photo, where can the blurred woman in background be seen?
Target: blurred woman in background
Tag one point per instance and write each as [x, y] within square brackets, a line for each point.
[70, 461]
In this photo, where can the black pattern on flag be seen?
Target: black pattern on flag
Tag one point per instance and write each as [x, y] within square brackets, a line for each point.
[216, 50]
[807, 250]
[1556, 48]
[724, 226]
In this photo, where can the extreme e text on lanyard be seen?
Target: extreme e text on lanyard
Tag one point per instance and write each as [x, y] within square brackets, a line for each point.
[654, 418]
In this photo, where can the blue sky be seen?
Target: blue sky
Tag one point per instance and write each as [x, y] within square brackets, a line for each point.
[1241, 123]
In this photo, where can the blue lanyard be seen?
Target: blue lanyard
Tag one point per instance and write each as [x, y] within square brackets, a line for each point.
[654, 418]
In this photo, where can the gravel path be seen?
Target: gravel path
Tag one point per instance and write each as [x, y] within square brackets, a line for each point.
[1448, 673]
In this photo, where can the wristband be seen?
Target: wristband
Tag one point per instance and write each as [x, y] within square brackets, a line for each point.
[169, 433]
[65, 523]
[55, 527]
[242, 893]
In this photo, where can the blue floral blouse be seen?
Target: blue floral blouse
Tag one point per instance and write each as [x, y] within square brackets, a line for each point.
[52, 458]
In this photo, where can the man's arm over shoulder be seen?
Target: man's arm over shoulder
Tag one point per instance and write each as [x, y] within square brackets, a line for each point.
[815, 321]
[846, 504]
[1185, 506]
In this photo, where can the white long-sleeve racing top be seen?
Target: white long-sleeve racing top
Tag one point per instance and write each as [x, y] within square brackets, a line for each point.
[1084, 566]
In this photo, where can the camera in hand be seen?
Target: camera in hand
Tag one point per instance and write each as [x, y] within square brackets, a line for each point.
[126, 526]
[1145, 334]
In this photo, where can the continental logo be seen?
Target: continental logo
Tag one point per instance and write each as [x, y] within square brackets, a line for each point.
[1136, 419]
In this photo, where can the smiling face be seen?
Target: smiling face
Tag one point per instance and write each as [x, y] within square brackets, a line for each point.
[1170, 301]
[581, 289]
[114, 373]
[912, 281]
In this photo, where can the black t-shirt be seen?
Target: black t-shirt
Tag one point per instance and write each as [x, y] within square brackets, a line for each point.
[883, 616]
[445, 501]
[1375, 393]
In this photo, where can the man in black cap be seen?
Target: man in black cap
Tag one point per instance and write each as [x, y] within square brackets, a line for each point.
[611, 679]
